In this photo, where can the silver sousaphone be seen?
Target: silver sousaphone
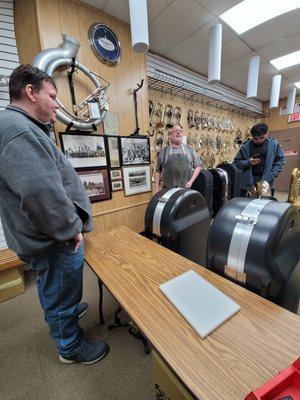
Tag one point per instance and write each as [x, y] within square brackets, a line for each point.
[88, 117]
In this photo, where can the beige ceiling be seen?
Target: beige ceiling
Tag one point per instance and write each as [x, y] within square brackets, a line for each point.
[179, 30]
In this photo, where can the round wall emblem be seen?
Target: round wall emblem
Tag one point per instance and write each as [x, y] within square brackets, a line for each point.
[105, 44]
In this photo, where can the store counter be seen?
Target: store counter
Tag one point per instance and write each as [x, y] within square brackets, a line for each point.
[242, 354]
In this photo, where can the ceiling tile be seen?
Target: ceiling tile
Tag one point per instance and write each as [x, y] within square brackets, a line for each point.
[118, 8]
[234, 50]
[155, 7]
[237, 66]
[217, 6]
[175, 23]
[237, 79]
[201, 65]
[196, 45]
[267, 69]
[263, 92]
[273, 30]
[292, 73]
[95, 3]
[281, 47]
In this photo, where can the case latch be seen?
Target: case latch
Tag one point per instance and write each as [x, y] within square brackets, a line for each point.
[246, 219]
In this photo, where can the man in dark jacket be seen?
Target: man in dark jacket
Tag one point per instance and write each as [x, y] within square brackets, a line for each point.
[261, 159]
[44, 209]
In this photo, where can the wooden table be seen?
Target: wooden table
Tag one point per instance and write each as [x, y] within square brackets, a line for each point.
[241, 355]
[9, 259]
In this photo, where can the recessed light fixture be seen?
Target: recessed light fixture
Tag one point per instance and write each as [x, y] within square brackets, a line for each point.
[286, 61]
[250, 13]
[297, 84]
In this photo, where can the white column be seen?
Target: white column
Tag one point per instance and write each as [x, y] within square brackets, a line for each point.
[139, 25]
[290, 103]
[275, 91]
[253, 72]
[215, 51]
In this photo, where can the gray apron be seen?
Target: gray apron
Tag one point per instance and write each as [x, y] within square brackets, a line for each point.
[177, 171]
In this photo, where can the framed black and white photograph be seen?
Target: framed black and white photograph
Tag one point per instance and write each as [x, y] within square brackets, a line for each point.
[135, 150]
[84, 150]
[116, 174]
[110, 123]
[114, 151]
[136, 179]
[116, 185]
[96, 184]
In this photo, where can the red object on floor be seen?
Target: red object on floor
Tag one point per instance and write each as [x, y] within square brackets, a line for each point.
[285, 385]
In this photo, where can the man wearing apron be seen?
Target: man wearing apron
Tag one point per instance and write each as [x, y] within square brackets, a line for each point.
[178, 165]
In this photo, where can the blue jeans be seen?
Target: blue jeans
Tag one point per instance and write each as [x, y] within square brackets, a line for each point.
[59, 283]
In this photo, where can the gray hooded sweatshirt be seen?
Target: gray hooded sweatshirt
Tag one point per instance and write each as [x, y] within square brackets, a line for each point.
[42, 199]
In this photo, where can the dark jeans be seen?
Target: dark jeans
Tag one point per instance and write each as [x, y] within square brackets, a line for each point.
[59, 283]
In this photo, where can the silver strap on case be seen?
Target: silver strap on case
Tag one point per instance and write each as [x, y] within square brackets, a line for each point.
[242, 233]
[159, 209]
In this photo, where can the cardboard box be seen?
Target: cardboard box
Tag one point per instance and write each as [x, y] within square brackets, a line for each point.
[167, 386]
[11, 283]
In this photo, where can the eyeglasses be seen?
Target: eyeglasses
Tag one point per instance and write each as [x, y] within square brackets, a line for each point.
[176, 131]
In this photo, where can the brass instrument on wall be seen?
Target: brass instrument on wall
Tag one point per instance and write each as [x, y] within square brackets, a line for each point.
[156, 118]
[190, 119]
[91, 111]
[177, 114]
[168, 114]
[260, 189]
[294, 186]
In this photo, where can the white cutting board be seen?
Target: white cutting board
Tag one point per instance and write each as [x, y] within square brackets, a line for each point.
[201, 304]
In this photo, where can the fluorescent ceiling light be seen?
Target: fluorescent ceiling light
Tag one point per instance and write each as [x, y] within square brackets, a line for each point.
[297, 84]
[286, 61]
[250, 13]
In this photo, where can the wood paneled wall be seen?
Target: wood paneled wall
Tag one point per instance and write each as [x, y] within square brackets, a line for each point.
[45, 21]
[242, 122]
[278, 122]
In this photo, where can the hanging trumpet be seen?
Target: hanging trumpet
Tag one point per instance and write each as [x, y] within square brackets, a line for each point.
[177, 114]
[156, 118]
[91, 111]
[168, 114]
[190, 118]
[294, 186]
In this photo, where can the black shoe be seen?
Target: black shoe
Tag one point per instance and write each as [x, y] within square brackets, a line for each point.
[88, 354]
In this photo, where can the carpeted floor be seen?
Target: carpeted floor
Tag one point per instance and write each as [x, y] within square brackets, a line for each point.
[29, 366]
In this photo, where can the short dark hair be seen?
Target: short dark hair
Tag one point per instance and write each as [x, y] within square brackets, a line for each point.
[259, 130]
[26, 75]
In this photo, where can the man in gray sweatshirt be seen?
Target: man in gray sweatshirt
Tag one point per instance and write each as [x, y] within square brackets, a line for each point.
[44, 209]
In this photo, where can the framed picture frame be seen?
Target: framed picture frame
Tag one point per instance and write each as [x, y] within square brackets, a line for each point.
[135, 150]
[116, 185]
[116, 174]
[96, 183]
[84, 150]
[137, 179]
[110, 123]
[113, 145]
